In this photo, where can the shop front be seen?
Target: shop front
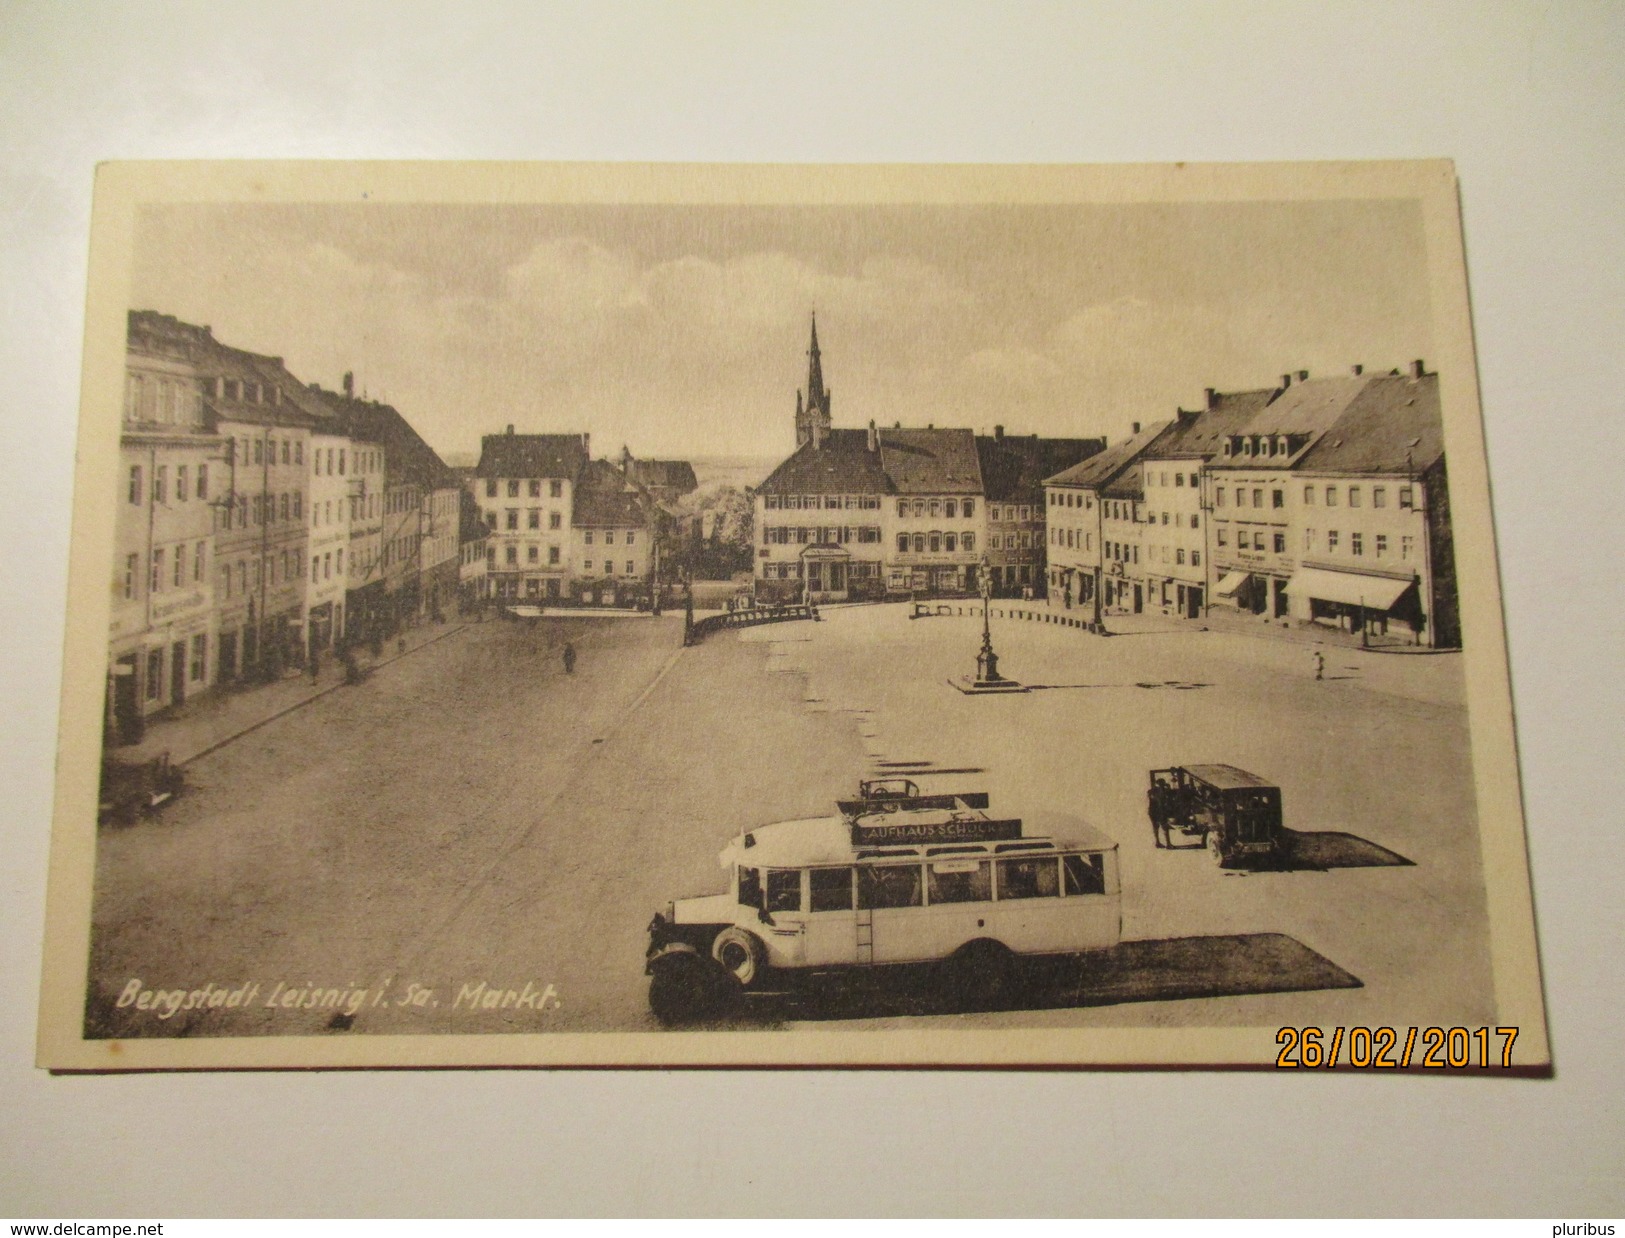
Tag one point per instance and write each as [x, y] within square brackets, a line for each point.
[1359, 602]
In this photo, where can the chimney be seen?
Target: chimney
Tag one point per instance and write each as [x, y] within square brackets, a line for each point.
[349, 383]
[874, 436]
[998, 434]
[1286, 381]
[1303, 376]
[897, 425]
[1212, 396]
[930, 425]
[626, 458]
[510, 429]
[1417, 369]
[586, 444]
[1135, 429]
[1356, 370]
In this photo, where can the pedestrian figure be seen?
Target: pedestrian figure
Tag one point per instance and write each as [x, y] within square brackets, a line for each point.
[1320, 665]
[315, 664]
[569, 658]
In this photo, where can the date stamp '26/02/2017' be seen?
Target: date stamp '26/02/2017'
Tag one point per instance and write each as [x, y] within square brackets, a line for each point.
[1381, 1048]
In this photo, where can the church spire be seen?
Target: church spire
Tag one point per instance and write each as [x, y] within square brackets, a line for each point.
[815, 370]
[812, 418]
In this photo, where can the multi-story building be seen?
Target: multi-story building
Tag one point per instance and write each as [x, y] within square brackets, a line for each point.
[332, 457]
[613, 522]
[472, 538]
[1247, 483]
[1370, 508]
[1013, 473]
[936, 523]
[261, 534]
[164, 626]
[524, 485]
[666, 481]
[1173, 539]
[1093, 540]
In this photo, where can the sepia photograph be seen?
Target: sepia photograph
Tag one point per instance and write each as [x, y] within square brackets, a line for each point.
[843, 616]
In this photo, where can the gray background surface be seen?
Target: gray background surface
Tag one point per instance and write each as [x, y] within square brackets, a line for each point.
[1524, 96]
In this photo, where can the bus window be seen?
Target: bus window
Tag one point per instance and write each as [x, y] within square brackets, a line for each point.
[889, 885]
[784, 889]
[1028, 878]
[960, 881]
[750, 887]
[1085, 874]
[831, 889]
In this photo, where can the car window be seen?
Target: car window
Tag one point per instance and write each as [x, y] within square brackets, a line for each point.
[831, 889]
[1085, 874]
[1035, 878]
[784, 889]
[750, 887]
[960, 881]
[889, 885]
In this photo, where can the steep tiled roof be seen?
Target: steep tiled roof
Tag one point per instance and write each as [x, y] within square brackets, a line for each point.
[604, 496]
[1393, 426]
[408, 460]
[1102, 468]
[1203, 433]
[841, 464]
[675, 475]
[471, 527]
[931, 461]
[1306, 407]
[531, 455]
[1014, 468]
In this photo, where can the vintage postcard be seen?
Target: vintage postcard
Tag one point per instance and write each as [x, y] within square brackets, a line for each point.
[857, 616]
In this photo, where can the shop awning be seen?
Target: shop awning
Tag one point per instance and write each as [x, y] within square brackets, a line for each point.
[1349, 588]
[1231, 584]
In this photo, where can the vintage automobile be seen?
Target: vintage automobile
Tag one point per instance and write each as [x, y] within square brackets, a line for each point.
[890, 794]
[132, 789]
[1235, 814]
[870, 888]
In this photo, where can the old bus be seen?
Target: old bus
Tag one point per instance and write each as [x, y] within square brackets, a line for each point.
[950, 885]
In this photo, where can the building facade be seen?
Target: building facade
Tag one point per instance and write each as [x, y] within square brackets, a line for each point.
[331, 458]
[524, 485]
[1013, 472]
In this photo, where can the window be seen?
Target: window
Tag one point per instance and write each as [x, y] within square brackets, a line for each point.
[889, 885]
[285, 501]
[609, 537]
[1405, 497]
[631, 568]
[830, 889]
[1354, 496]
[131, 562]
[1179, 557]
[586, 565]
[949, 542]
[1196, 558]
[902, 543]
[1308, 496]
[1331, 540]
[553, 520]
[1407, 546]
[533, 554]
[1029, 878]
[199, 552]
[555, 489]
[180, 483]
[968, 509]
[1277, 498]
[135, 484]
[315, 568]
[533, 519]
[536, 488]
[783, 889]
[513, 488]
[155, 580]
[950, 508]
[1357, 543]
[1164, 517]
[1331, 496]
[630, 534]
[298, 448]
[1258, 498]
[155, 674]
[935, 508]
[160, 484]
[750, 887]
[491, 488]
[936, 542]
[586, 536]
[995, 542]
[1084, 874]
[1280, 543]
[959, 881]
[490, 520]
[203, 481]
[200, 653]
[1258, 540]
[1379, 496]
[967, 543]
[1308, 540]
[512, 520]
[1179, 479]
[511, 558]
[1382, 545]
[490, 556]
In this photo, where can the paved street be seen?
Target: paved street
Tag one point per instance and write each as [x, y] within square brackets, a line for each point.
[471, 815]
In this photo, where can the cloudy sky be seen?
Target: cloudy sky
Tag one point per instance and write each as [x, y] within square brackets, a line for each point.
[682, 331]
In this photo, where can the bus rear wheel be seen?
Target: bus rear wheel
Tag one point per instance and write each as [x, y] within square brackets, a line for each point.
[740, 954]
[977, 975]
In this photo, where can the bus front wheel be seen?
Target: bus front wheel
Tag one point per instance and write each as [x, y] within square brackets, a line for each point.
[684, 986]
[740, 954]
[977, 975]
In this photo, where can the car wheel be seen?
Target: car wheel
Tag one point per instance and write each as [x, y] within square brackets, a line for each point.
[977, 976]
[686, 986]
[1215, 847]
[740, 954]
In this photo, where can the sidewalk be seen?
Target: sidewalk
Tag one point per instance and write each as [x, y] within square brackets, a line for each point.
[212, 721]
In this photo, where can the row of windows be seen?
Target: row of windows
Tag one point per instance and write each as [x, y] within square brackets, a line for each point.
[533, 555]
[1072, 539]
[533, 519]
[1118, 552]
[838, 535]
[1259, 540]
[264, 451]
[167, 401]
[1407, 544]
[1277, 497]
[882, 886]
[187, 484]
[360, 509]
[324, 565]
[609, 567]
[325, 463]
[995, 512]
[821, 502]
[1379, 496]
[1160, 478]
[949, 508]
[935, 543]
[533, 487]
[1014, 541]
[1173, 555]
[1193, 521]
[856, 570]
[1068, 498]
[197, 651]
[167, 567]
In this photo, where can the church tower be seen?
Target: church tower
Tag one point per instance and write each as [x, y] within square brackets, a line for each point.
[812, 415]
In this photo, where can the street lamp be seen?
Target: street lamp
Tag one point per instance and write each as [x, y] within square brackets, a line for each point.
[987, 678]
